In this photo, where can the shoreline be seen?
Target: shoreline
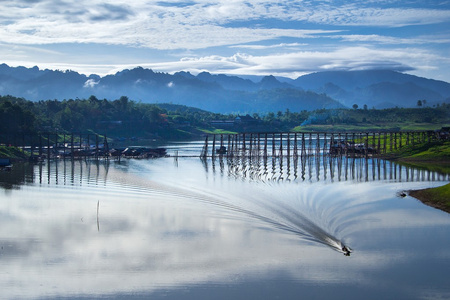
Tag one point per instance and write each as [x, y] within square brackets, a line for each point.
[433, 197]
[438, 197]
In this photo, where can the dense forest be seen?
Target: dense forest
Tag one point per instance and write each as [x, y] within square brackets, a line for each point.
[127, 118]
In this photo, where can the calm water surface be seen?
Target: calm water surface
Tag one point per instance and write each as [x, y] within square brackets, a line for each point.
[221, 229]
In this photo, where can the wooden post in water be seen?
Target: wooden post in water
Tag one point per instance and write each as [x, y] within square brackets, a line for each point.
[273, 145]
[317, 145]
[64, 146]
[288, 146]
[106, 145]
[31, 145]
[205, 148]
[373, 142]
[331, 143]
[280, 153]
[251, 146]
[366, 145]
[295, 145]
[40, 145]
[48, 147]
[79, 146]
[346, 143]
[237, 144]
[56, 143]
[72, 146]
[265, 145]
[228, 145]
[395, 140]
[213, 152]
[96, 147]
[353, 144]
[258, 145]
[379, 143]
[391, 141]
[310, 144]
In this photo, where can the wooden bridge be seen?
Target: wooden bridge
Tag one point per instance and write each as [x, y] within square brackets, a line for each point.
[263, 144]
[279, 144]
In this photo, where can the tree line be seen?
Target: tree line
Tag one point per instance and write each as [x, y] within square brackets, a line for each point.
[130, 118]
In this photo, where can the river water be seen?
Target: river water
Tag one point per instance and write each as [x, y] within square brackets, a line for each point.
[186, 228]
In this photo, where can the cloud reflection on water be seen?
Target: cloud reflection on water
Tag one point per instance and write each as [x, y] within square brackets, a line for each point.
[163, 226]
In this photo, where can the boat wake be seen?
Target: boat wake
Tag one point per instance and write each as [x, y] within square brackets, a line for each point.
[280, 205]
[264, 203]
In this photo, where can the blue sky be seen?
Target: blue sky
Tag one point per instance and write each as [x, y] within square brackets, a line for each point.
[284, 38]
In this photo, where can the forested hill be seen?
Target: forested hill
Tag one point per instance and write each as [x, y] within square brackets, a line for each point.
[147, 86]
[230, 94]
[376, 88]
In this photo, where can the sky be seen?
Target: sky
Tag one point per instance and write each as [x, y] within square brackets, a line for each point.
[235, 37]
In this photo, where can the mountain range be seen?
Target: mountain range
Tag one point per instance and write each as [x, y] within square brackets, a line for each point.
[230, 94]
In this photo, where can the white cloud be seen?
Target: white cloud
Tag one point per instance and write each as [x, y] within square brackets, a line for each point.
[200, 25]
[351, 15]
[298, 63]
[375, 38]
[265, 47]
[209, 29]
[90, 83]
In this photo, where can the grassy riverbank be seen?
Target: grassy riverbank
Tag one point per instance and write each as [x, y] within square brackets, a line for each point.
[432, 156]
[438, 197]
[12, 153]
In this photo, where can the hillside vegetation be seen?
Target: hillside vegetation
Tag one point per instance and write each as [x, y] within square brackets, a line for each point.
[128, 118]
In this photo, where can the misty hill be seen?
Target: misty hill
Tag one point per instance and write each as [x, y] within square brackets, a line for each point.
[376, 88]
[217, 93]
[230, 94]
